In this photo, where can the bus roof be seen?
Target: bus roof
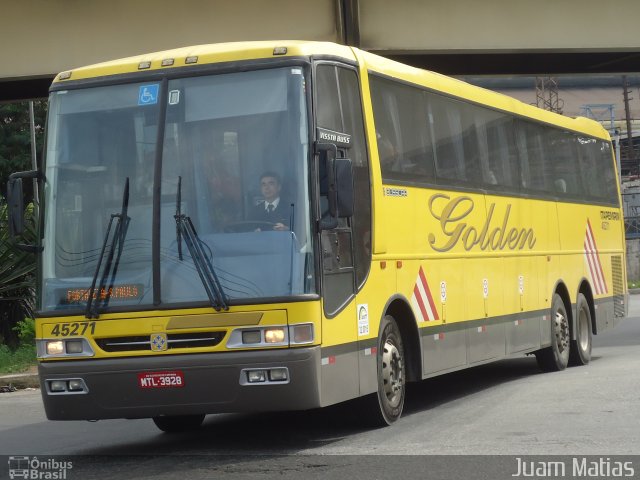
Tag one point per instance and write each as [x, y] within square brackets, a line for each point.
[239, 51]
[207, 54]
[479, 95]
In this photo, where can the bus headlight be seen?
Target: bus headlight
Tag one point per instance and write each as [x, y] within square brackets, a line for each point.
[69, 347]
[251, 336]
[274, 335]
[55, 347]
[74, 346]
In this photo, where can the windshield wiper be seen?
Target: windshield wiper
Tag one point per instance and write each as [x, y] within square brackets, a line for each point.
[115, 250]
[185, 229]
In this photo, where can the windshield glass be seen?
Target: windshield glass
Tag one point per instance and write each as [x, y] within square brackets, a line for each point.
[97, 138]
[234, 165]
[238, 146]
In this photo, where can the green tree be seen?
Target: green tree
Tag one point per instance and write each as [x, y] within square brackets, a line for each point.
[15, 139]
[17, 268]
[17, 278]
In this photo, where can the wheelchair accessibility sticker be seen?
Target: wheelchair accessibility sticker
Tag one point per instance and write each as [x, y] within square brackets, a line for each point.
[148, 94]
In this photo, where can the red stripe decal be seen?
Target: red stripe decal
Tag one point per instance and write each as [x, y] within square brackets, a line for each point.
[423, 309]
[594, 255]
[428, 292]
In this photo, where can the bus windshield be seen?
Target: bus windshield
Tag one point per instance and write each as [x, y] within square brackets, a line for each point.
[232, 164]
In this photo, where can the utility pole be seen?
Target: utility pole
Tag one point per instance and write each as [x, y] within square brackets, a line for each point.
[631, 155]
[34, 159]
[547, 96]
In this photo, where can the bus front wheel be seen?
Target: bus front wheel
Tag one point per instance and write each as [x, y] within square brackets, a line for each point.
[581, 346]
[556, 356]
[391, 374]
[178, 423]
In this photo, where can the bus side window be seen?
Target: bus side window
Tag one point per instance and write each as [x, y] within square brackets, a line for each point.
[404, 137]
[562, 170]
[495, 134]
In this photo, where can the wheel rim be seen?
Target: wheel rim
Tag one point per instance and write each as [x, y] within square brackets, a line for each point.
[583, 330]
[562, 332]
[392, 374]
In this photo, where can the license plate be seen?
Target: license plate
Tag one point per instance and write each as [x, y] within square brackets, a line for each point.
[174, 379]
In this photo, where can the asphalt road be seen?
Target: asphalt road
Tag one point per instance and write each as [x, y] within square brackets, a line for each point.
[507, 408]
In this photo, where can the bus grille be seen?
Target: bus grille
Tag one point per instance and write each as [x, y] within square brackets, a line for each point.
[174, 340]
[618, 286]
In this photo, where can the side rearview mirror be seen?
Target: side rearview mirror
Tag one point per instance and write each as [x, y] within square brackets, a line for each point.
[336, 185]
[344, 187]
[15, 207]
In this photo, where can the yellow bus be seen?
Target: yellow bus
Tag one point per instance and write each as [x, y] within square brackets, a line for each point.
[287, 225]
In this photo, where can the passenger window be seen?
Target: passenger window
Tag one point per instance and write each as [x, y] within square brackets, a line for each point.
[562, 168]
[501, 150]
[530, 144]
[447, 127]
[596, 170]
[404, 141]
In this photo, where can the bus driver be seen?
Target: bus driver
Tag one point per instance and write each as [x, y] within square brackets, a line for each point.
[272, 208]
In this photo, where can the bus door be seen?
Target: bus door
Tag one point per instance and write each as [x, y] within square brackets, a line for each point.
[344, 239]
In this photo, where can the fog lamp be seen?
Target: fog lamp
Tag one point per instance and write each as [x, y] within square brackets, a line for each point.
[256, 376]
[76, 385]
[58, 386]
[251, 336]
[274, 335]
[55, 347]
[278, 375]
[74, 346]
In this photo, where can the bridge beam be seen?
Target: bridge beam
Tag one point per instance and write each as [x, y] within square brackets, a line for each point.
[460, 37]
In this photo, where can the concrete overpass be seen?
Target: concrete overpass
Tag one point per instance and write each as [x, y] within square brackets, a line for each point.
[460, 37]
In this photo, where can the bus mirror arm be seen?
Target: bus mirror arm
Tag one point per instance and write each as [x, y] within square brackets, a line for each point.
[15, 207]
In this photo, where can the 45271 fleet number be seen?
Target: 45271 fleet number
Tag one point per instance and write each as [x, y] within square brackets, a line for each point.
[71, 329]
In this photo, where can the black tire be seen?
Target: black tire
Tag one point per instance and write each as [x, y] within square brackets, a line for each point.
[178, 423]
[385, 407]
[556, 356]
[580, 353]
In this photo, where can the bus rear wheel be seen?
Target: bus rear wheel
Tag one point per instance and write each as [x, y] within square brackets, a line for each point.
[178, 423]
[581, 346]
[556, 356]
[391, 374]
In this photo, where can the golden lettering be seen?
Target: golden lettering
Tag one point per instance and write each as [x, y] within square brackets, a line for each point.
[451, 216]
[448, 216]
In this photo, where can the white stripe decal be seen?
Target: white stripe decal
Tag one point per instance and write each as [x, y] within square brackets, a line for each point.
[422, 300]
[592, 254]
[592, 259]
[416, 308]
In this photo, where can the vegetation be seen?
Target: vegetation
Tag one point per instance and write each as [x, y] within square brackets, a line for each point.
[17, 268]
[21, 358]
[15, 139]
[17, 279]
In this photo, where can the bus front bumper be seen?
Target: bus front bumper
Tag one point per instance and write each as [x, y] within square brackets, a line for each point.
[209, 383]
